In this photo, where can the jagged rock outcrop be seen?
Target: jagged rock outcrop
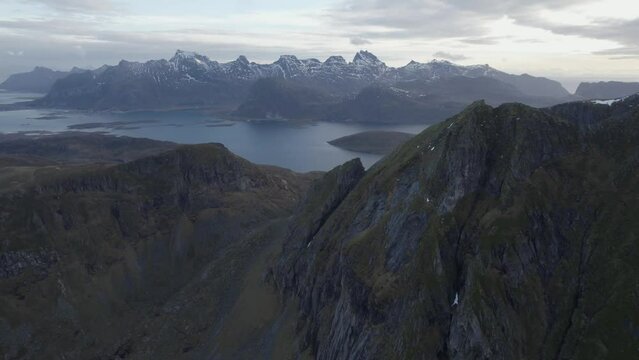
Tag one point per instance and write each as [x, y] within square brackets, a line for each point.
[323, 198]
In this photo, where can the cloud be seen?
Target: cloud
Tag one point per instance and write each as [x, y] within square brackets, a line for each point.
[621, 31]
[404, 19]
[467, 21]
[482, 40]
[15, 53]
[512, 34]
[359, 41]
[81, 6]
[449, 56]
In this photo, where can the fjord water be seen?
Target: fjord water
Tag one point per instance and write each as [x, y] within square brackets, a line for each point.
[294, 145]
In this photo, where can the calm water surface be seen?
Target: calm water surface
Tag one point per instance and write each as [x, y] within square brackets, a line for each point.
[301, 147]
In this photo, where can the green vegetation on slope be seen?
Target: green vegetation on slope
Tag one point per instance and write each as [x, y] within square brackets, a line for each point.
[501, 233]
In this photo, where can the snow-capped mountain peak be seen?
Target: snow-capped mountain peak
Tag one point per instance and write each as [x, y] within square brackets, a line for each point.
[364, 57]
[335, 61]
[242, 59]
[287, 58]
[181, 55]
[441, 62]
[187, 68]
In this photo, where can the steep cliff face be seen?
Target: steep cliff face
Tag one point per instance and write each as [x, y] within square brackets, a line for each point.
[502, 233]
[91, 254]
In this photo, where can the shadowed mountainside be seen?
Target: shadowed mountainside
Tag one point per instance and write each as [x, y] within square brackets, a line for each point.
[92, 251]
[502, 233]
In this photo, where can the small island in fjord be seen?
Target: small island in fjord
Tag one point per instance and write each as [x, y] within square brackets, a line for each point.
[372, 142]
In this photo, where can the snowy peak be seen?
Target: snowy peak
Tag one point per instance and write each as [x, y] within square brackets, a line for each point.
[288, 58]
[242, 60]
[335, 61]
[364, 57]
[441, 62]
[438, 68]
[183, 54]
[291, 66]
[182, 57]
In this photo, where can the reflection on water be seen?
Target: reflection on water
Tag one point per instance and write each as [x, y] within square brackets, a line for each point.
[301, 147]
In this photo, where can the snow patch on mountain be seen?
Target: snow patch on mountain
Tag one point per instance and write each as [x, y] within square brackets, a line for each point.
[608, 102]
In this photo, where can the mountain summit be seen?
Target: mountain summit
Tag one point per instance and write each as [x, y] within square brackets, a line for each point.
[364, 57]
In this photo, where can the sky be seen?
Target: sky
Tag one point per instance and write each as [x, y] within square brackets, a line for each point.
[569, 40]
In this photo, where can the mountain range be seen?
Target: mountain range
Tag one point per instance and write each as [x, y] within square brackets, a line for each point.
[192, 80]
[362, 90]
[505, 232]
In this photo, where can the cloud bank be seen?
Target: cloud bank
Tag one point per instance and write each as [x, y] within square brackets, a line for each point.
[546, 37]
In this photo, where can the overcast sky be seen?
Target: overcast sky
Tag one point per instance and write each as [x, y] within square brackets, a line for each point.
[567, 40]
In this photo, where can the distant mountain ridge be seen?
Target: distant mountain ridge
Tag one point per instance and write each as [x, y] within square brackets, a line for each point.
[607, 89]
[38, 80]
[190, 79]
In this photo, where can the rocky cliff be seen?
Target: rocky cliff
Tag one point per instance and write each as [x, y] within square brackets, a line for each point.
[502, 233]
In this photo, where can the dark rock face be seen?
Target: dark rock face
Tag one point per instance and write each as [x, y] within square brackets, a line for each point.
[607, 89]
[325, 195]
[486, 236]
